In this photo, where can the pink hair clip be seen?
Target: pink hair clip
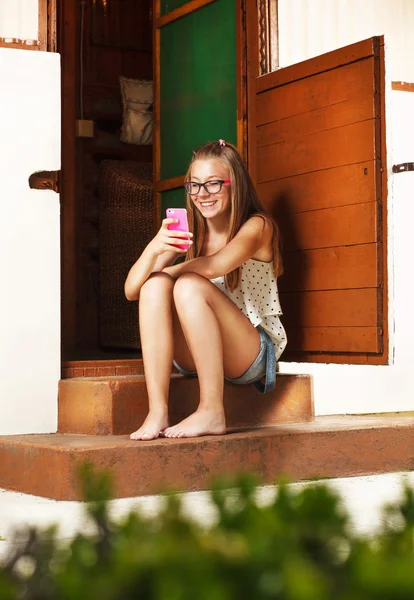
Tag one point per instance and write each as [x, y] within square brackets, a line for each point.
[222, 142]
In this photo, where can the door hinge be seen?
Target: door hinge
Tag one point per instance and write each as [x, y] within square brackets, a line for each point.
[403, 167]
[45, 180]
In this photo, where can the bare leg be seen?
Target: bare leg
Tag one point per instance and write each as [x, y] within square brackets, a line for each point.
[221, 341]
[156, 331]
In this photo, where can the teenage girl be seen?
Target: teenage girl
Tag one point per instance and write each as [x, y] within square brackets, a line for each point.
[215, 315]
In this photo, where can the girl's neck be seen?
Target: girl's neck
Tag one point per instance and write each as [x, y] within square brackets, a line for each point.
[218, 226]
[215, 237]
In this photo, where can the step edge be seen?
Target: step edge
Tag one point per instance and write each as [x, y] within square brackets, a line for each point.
[141, 376]
[278, 430]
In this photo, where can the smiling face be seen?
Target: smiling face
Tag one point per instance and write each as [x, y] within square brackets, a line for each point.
[211, 205]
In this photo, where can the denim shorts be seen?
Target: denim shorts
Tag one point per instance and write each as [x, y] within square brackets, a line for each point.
[264, 365]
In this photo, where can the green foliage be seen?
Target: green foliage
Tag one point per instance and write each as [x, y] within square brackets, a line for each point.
[298, 547]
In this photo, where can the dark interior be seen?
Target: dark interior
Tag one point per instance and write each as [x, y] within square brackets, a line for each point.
[113, 39]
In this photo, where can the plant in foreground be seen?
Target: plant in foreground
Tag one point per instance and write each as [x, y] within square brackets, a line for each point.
[300, 546]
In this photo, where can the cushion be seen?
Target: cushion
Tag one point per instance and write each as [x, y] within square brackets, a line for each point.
[137, 119]
[136, 91]
[137, 127]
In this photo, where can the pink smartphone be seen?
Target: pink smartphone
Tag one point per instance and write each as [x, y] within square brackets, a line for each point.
[182, 225]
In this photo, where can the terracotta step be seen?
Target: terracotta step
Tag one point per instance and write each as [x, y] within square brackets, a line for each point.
[102, 367]
[47, 465]
[118, 405]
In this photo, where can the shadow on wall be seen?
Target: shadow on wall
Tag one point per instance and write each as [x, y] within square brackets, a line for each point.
[293, 280]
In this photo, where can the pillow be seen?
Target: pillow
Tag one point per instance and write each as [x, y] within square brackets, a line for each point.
[137, 126]
[135, 91]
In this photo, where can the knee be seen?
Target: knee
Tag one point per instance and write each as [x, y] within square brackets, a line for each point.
[157, 287]
[189, 286]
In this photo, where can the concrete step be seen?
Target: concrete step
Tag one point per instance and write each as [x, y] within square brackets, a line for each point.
[117, 405]
[341, 446]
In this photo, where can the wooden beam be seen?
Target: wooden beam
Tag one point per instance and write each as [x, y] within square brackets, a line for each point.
[52, 26]
[156, 148]
[169, 184]
[319, 64]
[402, 86]
[19, 44]
[42, 28]
[68, 188]
[181, 11]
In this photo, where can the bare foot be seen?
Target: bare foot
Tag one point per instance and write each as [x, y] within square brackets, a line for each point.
[202, 422]
[151, 428]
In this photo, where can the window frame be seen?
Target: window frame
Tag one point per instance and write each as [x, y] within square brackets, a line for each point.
[46, 37]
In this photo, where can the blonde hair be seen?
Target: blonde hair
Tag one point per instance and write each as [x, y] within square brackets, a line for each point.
[245, 203]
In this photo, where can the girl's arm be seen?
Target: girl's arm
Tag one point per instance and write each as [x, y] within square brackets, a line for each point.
[243, 246]
[159, 253]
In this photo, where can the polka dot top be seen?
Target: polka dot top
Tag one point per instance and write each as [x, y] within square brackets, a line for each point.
[257, 297]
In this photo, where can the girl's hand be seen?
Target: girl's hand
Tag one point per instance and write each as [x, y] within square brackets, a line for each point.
[167, 240]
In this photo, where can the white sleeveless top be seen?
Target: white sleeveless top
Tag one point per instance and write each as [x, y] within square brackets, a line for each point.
[257, 297]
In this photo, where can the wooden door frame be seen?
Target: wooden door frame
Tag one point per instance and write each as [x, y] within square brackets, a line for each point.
[65, 19]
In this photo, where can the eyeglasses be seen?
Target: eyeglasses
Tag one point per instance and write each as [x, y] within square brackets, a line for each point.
[211, 187]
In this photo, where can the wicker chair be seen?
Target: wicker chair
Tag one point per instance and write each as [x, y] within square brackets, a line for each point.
[125, 228]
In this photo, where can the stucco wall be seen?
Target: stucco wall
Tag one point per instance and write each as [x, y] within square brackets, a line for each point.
[29, 242]
[311, 27]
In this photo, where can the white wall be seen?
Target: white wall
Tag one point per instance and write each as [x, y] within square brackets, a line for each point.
[19, 19]
[308, 28]
[29, 242]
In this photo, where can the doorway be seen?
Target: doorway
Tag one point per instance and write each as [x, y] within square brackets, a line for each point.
[100, 41]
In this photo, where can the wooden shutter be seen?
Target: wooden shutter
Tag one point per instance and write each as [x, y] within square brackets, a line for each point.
[197, 87]
[317, 153]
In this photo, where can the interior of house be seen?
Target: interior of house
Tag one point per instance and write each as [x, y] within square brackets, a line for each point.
[106, 185]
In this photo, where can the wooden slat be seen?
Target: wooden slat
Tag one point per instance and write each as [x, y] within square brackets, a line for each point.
[241, 81]
[181, 11]
[382, 195]
[328, 117]
[350, 184]
[340, 358]
[156, 137]
[346, 267]
[403, 86]
[325, 89]
[330, 308]
[69, 182]
[252, 50]
[334, 339]
[319, 64]
[169, 184]
[341, 226]
[17, 44]
[52, 26]
[323, 150]
[42, 24]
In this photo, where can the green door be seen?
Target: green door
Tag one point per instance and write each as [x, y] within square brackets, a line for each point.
[197, 88]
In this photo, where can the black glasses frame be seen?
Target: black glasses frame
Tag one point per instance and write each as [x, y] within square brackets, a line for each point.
[204, 185]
